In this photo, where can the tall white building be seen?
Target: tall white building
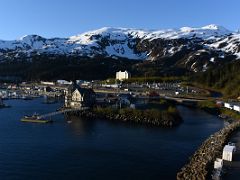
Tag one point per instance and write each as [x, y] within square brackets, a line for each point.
[122, 75]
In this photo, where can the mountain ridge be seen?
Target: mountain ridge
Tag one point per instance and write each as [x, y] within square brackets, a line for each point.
[195, 49]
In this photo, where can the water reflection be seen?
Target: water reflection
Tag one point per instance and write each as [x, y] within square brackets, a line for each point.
[80, 126]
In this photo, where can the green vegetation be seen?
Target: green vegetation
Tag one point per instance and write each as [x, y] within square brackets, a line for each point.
[225, 78]
[156, 79]
[208, 106]
[230, 113]
[168, 117]
[61, 67]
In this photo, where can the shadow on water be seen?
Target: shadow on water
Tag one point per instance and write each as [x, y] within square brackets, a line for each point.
[80, 126]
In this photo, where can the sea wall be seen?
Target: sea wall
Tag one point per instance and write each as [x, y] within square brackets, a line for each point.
[201, 163]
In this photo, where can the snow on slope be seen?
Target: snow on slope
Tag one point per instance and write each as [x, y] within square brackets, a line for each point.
[109, 42]
[230, 44]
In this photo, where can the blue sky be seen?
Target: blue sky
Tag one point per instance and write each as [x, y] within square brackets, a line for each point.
[63, 18]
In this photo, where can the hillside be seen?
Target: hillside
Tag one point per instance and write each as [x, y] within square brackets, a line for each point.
[225, 78]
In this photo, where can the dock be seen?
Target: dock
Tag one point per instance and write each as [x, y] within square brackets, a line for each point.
[41, 118]
[36, 120]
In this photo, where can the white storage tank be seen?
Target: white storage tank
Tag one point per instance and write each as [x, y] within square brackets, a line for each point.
[218, 164]
[236, 108]
[228, 151]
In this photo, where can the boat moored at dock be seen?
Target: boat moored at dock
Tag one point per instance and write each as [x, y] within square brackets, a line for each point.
[35, 119]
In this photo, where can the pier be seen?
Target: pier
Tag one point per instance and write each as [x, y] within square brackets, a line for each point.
[62, 112]
[42, 118]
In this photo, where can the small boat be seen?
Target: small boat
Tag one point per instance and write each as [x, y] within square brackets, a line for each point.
[34, 119]
[27, 98]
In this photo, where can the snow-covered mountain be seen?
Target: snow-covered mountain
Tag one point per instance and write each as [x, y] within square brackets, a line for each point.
[197, 48]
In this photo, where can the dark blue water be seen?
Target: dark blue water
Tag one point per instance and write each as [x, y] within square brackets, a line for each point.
[95, 149]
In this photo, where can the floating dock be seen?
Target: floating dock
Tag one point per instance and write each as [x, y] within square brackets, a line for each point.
[36, 120]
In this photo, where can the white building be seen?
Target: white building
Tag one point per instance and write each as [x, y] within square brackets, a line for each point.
[236, 107]
[122, 75]
[218, 164]
[228, 151]
[228, 105]
[64, 82]
[47, 83]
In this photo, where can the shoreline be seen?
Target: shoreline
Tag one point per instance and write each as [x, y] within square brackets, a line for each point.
[201, 162]
[167, 120]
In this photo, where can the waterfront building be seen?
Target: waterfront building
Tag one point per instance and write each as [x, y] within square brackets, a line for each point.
[122, 75]
[76, 97]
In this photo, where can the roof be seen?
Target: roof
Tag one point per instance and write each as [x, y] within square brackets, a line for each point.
[75, 86]
[228, 148]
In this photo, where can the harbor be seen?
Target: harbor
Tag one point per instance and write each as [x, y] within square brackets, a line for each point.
[86, 144]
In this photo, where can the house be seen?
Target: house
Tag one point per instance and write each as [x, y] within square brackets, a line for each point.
[228, 151]
[122, 75]
[76, 97]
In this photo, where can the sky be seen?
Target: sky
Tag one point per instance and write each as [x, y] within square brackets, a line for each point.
[64, 18]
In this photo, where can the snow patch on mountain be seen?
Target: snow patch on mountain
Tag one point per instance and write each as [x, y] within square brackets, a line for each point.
[117, 42]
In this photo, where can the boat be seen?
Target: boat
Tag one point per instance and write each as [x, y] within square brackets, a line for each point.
[27, 98]
[34, 119]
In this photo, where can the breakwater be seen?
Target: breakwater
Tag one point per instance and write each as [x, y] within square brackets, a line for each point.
[153, 118]
[201, 163]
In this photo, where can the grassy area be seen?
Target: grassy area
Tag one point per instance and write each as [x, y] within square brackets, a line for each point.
[230, 113]
[210, 106]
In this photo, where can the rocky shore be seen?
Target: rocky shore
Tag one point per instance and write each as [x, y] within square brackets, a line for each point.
[200, 165]
[168, 120]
